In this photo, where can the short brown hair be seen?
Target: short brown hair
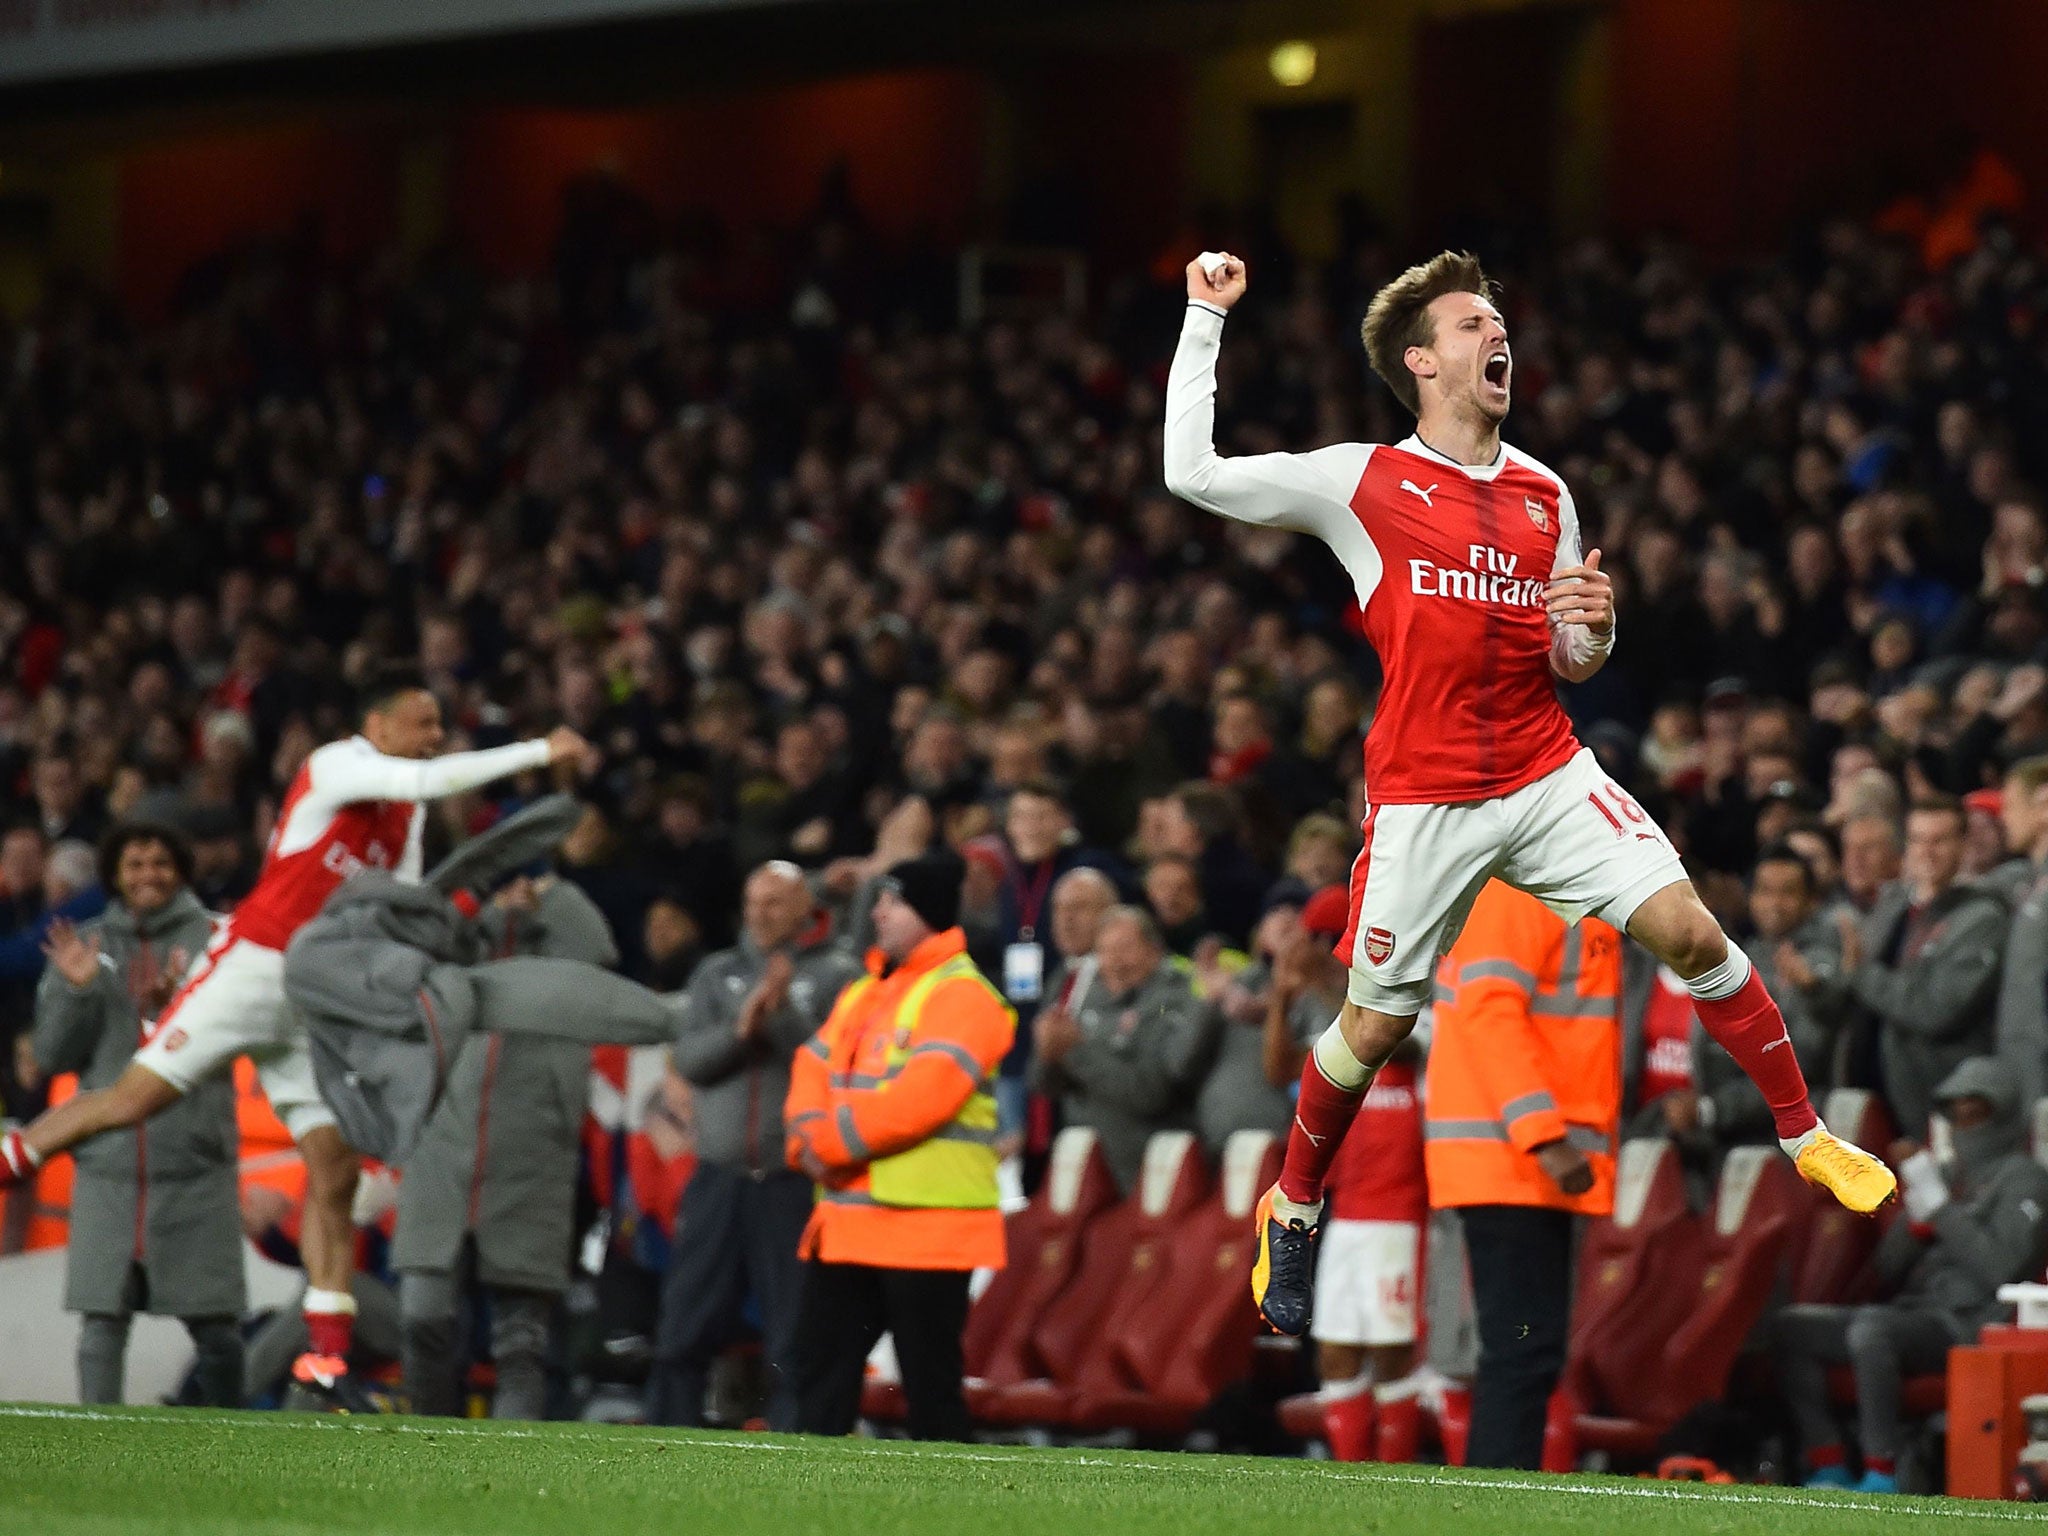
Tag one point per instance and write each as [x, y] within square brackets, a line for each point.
[2029, 773]
[1398, 317]
[1939, 805]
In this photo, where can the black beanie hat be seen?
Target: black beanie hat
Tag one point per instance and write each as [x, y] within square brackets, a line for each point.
[930, 886]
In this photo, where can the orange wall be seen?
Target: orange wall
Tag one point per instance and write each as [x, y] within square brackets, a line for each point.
[912, 141]
[1732, 117]
[186, 199]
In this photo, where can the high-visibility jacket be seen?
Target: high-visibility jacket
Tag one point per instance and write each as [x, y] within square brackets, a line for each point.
[1525, 1049]
[893, 1096]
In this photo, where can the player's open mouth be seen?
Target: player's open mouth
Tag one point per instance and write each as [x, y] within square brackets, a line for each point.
[1497, 370]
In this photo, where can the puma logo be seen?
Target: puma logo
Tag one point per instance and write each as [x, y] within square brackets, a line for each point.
[1646, 837]
[1781, 1040]
[1314, 1139]
[1410, 485]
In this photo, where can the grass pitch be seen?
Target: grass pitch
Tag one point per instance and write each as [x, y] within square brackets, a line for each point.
[81, 1472]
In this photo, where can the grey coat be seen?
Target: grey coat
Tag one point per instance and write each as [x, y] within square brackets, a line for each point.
[182, 1164]
[1995, 1234]
[391, 984]
[1934, 1006]
[2021, 1028]
[1235, 1095]
[741, 1084]
[519, 1101]
[1129, 1074]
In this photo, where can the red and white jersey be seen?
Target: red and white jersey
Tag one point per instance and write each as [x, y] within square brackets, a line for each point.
[351, 808]
[1450, 563]
[1379, 1174]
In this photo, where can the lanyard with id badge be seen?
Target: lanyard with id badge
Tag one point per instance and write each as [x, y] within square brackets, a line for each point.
[1024, 960]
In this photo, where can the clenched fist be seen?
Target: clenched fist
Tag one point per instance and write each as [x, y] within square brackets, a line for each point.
[1223, 289]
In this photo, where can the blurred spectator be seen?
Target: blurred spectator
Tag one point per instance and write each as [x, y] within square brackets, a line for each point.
[486, 1211]
[1968, 1228]
[1236, 1094]
[1924, 963]
[1040, 847]
[1872, 853]
[154, 1213]
[1524, 1106]
[1200, 822]
[1173, 893]
[2020, 1029]
[1688, 1089]
[1119, 1055]
[748, 1010]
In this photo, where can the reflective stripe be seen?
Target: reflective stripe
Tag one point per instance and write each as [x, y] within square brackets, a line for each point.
[830, 1196]
[958, 1054]
[850, 1134]
[805, 1118]
[966, 1133]
[1571, 1005]
[817, 1047]
[1574, 957]
[1585, 1138]
[1439, 993]
[1464, 1130]
[1528, 1104]
[1502, 970]
[861, 1079]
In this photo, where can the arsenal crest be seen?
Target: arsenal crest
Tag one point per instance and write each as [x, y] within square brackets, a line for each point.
[1379, 945]
[1538, 513]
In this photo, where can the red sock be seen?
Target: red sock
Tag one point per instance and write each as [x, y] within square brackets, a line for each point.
[1400, 1430]
[1824, 1456]
[1883, 1466]
[1749, 1027]
[1322, 1115]
[330, 1333]
[1348, 1426]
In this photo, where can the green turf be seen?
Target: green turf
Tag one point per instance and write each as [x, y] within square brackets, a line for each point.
[71, 1472]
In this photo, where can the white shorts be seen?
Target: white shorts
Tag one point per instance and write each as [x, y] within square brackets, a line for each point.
[233, 1005]
[1367, 1281]
[1575, 840]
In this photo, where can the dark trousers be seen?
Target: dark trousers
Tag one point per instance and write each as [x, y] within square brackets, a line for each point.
[1521, 1260]
[846, 1309]
[1883, 1344]
[735, 1234]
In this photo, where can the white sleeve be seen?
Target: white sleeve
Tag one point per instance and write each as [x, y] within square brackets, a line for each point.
[1572, 646]
[1305, 492]
[344, 777]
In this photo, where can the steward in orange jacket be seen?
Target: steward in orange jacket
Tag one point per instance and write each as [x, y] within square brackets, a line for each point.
[890, 1109]
[1522, 1110]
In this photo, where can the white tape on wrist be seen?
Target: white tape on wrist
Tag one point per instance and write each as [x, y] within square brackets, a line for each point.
[1212, 263]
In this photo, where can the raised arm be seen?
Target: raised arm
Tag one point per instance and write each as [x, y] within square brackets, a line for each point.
[1305, 492]
[354, 771]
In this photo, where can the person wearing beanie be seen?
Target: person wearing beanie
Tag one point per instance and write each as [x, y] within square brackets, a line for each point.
[892, 1112]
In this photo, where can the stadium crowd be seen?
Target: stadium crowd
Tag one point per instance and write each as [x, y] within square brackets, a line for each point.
[830, 579]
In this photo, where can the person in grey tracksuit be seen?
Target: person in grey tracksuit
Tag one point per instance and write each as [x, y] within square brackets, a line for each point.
[155, 1214]
[1120, 1052]
[2022, 1011]
[392, 982]
[745, 1013]
[488, 1197]
[1966, 1230]
[1925, 963]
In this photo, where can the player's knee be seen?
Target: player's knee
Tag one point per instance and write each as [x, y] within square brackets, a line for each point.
[1373, 1036]
[1870, 1331]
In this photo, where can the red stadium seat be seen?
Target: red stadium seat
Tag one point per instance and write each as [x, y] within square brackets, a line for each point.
[1638, 1277]
[1183, 1329]
[1123, 1261]
[1044, 1241]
